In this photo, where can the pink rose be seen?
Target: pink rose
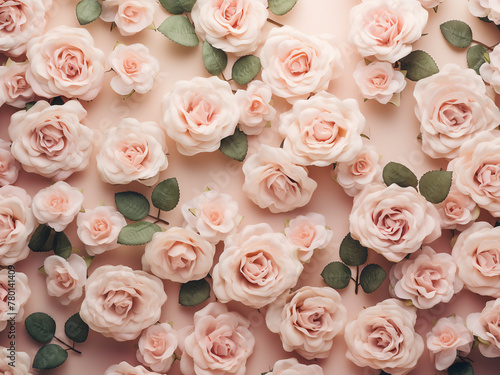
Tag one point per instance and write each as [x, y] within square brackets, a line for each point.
[322, 130]
[452, 107]
[178, 254]
[233, 26]
[124, 368]
[135, 67]
[486, 326]
[457, 211]
[308, 320]
[14, 89]
[292, 367]
[22, 362]
[296, 65]
[308, 232]
[393, 221]
[477, 254]
[426, 278]
[383, 337]
[9, 167]
[379, 81]
[255, 106]
[219, 343]
[386, 29]
[21, 292]
[65, 62]
[212, 214]
[256, 267]
[490, 70]
[156, 347]
[120, 302]
[273, 181]
[98, 229]
[199, 113]
[485, 8]
[448, 337]
[51, 140]
[65, 277]
[57, 205]
[430, 3]
[132, 151]
[129, 16]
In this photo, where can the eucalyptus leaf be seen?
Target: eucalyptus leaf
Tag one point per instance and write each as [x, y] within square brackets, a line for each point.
[235, 146]
[214, 59]
[476, 57]
[337, 275]
[41, 239]
[179, 30]
[399, 174]
[138, 233]
[194, 292]
[40, 326]
[49, 356]
[418, 65]
[461, 368]
[76, 329]
[88, 11]
[457, 33]
[166, 194]
[132, 205]
[245, 69]
[352, 252]
[177, 6]
[371, 277]
[435, 185]
[62, 245]
[281, 7]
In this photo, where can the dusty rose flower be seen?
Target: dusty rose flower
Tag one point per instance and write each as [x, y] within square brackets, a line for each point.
[22, 362]
[308, 320]
[291, 366]
[132, 151]
[486, 326]
[65, 277]
[386, 29]
[393, 221]
[457, 211]
[98, 229]
[448, 337]
[9, 167]
[124, 368]
[178, 254]
[233, 26]
[199, 113]
[156, 347]
[22, 293]
[57, 205]
[255, 106]
[219, 343]
[295, 65]
[273, 181]
[129, 16]
[490, 71]
[120, 302]
[256, 267]
[379, 81]
[136, 69]
[452, 107]
[51, 140]
[383, 337]
[308, 232]
[64, 61]
[14, 89]
[426, 278]
[485, 8]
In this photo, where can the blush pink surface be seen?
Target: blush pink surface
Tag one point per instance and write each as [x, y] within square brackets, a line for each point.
[393, 130]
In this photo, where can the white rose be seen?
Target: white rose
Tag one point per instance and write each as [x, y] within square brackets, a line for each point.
[379, 81]
[486, 326]
[129, 16]
[9, 166]
[22, 362]
[292, 367]
[14, 89]
[13, 284]
[156, 347]
[65, 277]
[485, 8]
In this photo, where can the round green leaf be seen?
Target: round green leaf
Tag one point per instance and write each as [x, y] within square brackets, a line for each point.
[40, 326]
[132, 205]
[371, 277]
[457, 33]
[193, 293]
[62, 245]
[352, 252]
[41, 239]
[214, 59]
[461, 368]
[179, 30]
[235, 146]
[476, 57]
[337, 275]
[138, 233]
[49, 356]
[245, 69]
[418, 65]
[399, 174]
[166, 194]
[88, 11]
[76, 329]
[177, 6]
[435, 185]
[281, 7]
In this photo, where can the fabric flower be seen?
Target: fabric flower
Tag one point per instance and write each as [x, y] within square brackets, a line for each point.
[129, 16]
[124, 368]
[14, 88]
[9, 166]
[65, 277]
[22, 294]
[485, 325]
[156, 347]
[457, 211]
[485, 8]
[21, 366]
[291, 366]
[379, 81]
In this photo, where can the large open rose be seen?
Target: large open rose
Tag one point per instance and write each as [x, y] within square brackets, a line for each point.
[486, 326]
[129, 16]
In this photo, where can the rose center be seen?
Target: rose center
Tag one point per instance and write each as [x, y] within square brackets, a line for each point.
[257, 268]
[385, 27]
[230, 13]
[454, 115]
[63, 278]
[100, 228]
[49, 137]
[7, 226]
[199, 111]
[361, 167]
[11, 17]
[488, 175]
[223, 347]
[392, 224]
[180, 256]
[298, 62]
[58, 203]
[134, 153]
[447, 338]
[488, 262]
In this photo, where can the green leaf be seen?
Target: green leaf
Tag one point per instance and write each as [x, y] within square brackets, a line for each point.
[57, 101]
[352, 252]
[179, 30]
[399, 174]
[40, 326]
[88, 11]
[42, 239]
[29, 105]
[88, 260]
[435, 185]
[337, 275]
[193, 293]
[62, 245]
[461, 368]
[214, 59]
[245, 69]
[235, 146]
[418, 65]
[457, 33]
[371, 277]
[475, 57]
[132, 205]
[49, 356]
[281, 7]
[76, 329]
[177, 6]
[166, 194]
[138, 233]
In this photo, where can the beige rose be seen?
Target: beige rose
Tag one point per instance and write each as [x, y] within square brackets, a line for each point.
[129, 16]
[485, 8]
[22, 362]
[14, 294]
[457, 211]
[156, 347]
[291, 366]
[379, 81]
[9, 166]
[14, 89]
[124, 368]
[486, 326]
[65, 277]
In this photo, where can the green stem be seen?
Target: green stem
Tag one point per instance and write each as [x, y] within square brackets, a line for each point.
[275, 23]
[158, 220]
[484, 45]
[356, 288]
[69, 346]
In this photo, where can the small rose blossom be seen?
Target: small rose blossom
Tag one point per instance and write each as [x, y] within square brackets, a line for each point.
[291, 366]
[8, 307]
[129, 16]
[485, 8]
[179, 255]
[9, 166]
[486, 326]
[124, 368]
[57, 205]
[448, 338]
[156, 347]
[65, 277]
[22, 362]
[490, 70]
[14, 89]
[379, 81]
[457, 211]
